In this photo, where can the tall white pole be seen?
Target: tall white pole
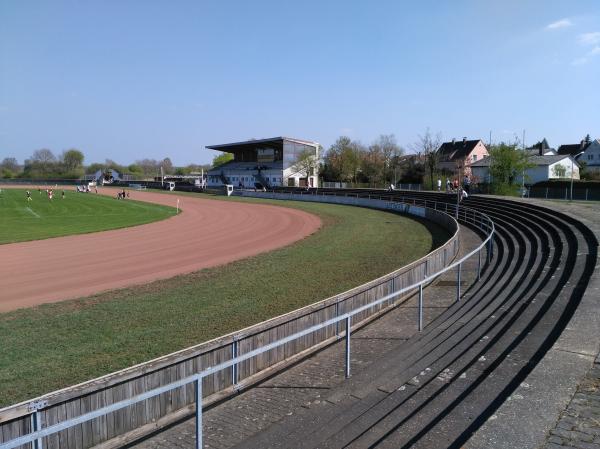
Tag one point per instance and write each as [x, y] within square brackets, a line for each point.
[571, 178]
[523, 172]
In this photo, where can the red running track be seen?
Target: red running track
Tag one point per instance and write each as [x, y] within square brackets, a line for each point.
[208, 233]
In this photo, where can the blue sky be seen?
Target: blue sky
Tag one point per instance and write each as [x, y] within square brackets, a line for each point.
[128, 79]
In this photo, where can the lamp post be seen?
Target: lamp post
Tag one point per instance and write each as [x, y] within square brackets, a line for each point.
[572, 159]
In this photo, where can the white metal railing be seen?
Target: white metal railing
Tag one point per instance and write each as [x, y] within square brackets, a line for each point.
[465, 215]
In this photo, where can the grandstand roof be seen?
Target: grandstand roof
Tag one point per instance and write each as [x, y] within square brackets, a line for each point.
[273, 142]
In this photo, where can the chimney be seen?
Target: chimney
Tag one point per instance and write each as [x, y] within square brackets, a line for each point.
[582, 144]
[453, 141]
[464, 140]
[541, 150]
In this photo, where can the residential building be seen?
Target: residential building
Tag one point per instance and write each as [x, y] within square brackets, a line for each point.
[541, 148]
[587, 152]
[545, 167]
[456, 155]
[267, 163]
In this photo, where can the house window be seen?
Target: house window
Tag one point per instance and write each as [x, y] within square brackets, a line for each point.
[474, 157]
[590, 157]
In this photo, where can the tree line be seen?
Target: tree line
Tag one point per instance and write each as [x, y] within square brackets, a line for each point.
[350, 161]
[44, 164]
[383, 162]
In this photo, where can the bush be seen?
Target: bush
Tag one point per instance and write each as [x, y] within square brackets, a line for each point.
[505, 189]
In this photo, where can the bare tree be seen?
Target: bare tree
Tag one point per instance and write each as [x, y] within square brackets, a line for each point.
[374, 165]
[306, 163]
[11, 164]
[390, 151]
[41, 163]
[167, 165]
[428, 146]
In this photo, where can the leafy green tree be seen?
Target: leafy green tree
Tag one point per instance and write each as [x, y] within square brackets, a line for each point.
[72, 160]
[181, 171]
[506, 163]
[6, 173]
[135, 169]
[344, 159]
[221, 159]
[94, 167]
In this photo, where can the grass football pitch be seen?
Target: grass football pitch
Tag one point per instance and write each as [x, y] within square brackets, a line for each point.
[76, 213]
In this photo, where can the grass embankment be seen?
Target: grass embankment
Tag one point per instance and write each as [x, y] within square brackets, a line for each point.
[57, 345]
[77, 213]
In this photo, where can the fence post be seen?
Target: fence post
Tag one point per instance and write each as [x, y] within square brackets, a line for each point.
[234, 367]
[337, 323]
[420, 307]
[426, 267]
[458, 283]
[198, 383]
[479, 265]
[586, 194]
[566, 193]
[36, 424]
[348, 325]
[546, 192]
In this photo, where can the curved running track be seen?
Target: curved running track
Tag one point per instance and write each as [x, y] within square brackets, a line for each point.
[475, 355]
[208, 233]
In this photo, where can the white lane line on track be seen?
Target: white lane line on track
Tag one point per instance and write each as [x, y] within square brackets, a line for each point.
[32, 212]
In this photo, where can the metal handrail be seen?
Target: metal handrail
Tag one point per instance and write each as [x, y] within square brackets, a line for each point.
[37, 435]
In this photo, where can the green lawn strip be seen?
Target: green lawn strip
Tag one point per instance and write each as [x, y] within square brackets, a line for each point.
[56, 345]
[77, 213]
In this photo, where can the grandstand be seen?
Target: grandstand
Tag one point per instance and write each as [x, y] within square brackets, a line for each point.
[266, 163]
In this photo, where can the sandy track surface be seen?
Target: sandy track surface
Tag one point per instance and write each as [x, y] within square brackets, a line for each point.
[208, 233]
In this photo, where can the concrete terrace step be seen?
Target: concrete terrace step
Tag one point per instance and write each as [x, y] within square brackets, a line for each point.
[437, 388]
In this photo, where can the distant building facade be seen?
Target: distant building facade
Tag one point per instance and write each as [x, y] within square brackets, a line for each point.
[108, 176]
[545, 167]
[587, 152]
[541, 148]
[461, 155]
[270, 162]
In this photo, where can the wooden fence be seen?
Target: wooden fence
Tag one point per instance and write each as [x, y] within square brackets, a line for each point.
[118, 428]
